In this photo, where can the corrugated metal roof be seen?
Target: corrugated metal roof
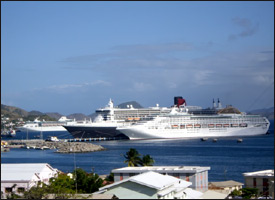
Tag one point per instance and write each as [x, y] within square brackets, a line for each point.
[263, 173]
[162, 169]
[151, 179]
[20, 172]
[230, 183]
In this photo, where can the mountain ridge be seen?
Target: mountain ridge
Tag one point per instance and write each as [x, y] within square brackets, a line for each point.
[15, 113]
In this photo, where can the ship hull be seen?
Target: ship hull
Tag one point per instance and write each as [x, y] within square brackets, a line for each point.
[94, 132]
[135, 133]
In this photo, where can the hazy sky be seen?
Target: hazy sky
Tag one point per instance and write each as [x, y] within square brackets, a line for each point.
[71, 57]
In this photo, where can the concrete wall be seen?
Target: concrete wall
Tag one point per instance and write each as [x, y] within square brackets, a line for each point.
[5, 185]
[249, 182]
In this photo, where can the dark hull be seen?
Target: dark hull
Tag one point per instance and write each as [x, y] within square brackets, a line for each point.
[94, 132]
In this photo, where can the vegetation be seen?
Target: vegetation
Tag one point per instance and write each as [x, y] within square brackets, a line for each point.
[110, 177]
[245, 193]
[133, 159]
[64, 187]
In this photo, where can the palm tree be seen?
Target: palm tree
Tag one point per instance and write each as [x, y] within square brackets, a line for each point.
[132, 158]
[147, 160]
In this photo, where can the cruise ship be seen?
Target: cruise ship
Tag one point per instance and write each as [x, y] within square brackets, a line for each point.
[43, 126]
[180, 122]
[109, 118]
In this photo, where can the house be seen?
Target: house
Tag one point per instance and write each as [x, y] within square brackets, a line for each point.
[151, 185]
[225, 187]
[24, 176]
[198, 176]
[263, 180]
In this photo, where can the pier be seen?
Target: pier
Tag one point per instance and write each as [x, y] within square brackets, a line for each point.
[62, 146]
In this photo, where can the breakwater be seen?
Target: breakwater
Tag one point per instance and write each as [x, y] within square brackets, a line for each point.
[61, 146]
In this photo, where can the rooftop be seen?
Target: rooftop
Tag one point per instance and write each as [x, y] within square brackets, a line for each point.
[152, 180]
[21, 172]
[226, 183]
[263, 173]
[162, 169]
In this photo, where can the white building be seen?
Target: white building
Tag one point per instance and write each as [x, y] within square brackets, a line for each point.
[263, 180]
[24, 176]
[198, 176]
[151, 185]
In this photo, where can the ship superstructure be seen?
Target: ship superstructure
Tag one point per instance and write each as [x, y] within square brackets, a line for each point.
[182, 123]
[109, 118]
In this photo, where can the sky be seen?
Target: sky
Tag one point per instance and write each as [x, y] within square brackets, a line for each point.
[72, 57]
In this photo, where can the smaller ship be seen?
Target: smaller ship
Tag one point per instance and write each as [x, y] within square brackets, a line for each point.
[41, 126]
[9, 133]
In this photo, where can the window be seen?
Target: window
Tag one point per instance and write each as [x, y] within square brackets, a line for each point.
[187, 177]
[132, 174]
[21, 190]
[254, 182]
[265, 186]
[8, 190]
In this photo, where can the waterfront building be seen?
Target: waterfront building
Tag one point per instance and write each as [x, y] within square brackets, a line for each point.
[151, 185]
[263, 180]
[24, 176]
[198, 176]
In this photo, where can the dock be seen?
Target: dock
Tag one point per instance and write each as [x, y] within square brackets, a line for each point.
[62, 146]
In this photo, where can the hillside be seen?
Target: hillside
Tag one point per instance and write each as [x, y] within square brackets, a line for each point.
[266, 112]
[14, 113]
[134, 103]
[78, 116]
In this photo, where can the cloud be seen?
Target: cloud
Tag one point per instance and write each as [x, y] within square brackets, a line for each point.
[248, 29]
[70, 87]
[141, 86]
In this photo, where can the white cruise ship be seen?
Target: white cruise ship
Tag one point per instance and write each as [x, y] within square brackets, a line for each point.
[109, 118]
[43, 126]
[181, 123]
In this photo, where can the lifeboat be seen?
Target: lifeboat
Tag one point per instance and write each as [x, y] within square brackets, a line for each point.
[210, 125]
[243, 125]
[174, 126]
[226, 125]
[137, 118]
[182, 126]
[218, 125]
[189, 126]
[197, 126]
[130, 118]
[234, 125]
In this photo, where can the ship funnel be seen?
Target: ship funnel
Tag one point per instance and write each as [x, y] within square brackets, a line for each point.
[179, 101]
[214, 103]
[219, 104]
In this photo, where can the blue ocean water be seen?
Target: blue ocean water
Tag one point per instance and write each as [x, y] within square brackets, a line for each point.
[227, 158]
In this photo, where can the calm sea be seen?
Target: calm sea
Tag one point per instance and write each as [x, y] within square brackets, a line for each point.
[227, 158]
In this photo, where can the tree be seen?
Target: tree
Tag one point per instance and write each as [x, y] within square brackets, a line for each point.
[61, 186]
[37, 192]
[85, 182]
[12, 195]
[248, 193]
[132, 158]
[235, 193]
[110, 177]
[147, 160]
